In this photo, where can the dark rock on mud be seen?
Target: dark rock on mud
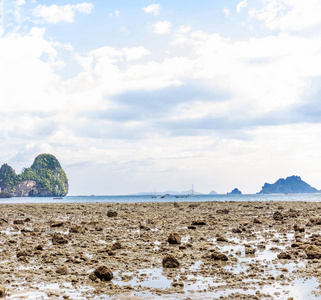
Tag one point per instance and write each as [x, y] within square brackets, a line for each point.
[62, 270]
[2, 291]
[170, 261]
[222, 211]
[284, 255]
[199, 222]
[221, 238]
[58, 238]
[219, 256]
[174, 238]
[298, 228]
[103, 273]
[313, 252]
[277, 216]
[112, 214]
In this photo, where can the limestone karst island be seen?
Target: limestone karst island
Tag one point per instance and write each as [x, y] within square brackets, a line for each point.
[45, 178]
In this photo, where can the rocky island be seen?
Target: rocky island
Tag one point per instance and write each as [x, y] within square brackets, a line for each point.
[236, 191]
[292, 184]
[45, 178]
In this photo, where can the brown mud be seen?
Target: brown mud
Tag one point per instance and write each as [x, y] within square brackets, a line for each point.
[205, 250]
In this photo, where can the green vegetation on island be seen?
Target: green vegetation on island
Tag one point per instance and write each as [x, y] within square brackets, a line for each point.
[45, 178]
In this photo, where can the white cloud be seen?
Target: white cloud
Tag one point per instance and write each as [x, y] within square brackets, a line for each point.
[152, 9]
[117, 13]
[290, 16]
[226, 12]
[55, 14]
[241, 5]
[162, 27]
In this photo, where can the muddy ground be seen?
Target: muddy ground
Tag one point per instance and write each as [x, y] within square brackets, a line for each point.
[208, 250]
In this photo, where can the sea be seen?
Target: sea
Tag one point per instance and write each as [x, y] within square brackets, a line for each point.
[171, 198]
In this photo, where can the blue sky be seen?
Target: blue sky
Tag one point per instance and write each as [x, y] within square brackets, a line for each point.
[132, 95]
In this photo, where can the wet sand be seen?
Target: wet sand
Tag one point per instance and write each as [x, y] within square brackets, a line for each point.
[208, 250]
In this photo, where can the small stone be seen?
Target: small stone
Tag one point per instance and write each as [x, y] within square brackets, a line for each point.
[2, 291]
[59, 239]
[56, 223]
[18, 222]
[170, 261]
[103, 273]
[219, 256]
[199, 222]
[174, 238]
[115, 246]
[249, 250]
[76, 229]
[277, 216]
[222, 211]
[284, 255]
[298, 228]
[313, 251]
[257, 221]
[112, 214]
[62, 270]
[221, 238]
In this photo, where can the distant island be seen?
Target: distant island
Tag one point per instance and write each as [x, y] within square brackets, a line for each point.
[212, 193]
[292, 184]
[45, 178]
[235, 192]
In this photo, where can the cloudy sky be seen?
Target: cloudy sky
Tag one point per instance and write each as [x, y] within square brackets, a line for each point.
[132, 95]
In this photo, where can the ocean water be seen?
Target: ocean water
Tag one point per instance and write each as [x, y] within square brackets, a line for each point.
[146, 199]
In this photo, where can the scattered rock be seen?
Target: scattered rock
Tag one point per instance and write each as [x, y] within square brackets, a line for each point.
[257, 221]
[312, 252]
[58, 238]
[298, 228]
[62, 270]
[2, 291]
[277, 216]
[103, 273]
[76, 229]
[18, 222]
[249, 250]
[56, 223]
[199, 222]
[170, 261]
[284, 255]
[221, 238]
[112, 214]
[191, 227]
[174, 238]
[222, 211]
[115, 246]
[219, 256]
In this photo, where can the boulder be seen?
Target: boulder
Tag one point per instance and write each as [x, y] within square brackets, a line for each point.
[199, 222]
[112, 214]
[59, 239]
[2, 291]
[103, 273]
[174, 238]
[277, 216]
[170, 261]
[284, 255]
[62, 270]
[313, 252]
[219, 256]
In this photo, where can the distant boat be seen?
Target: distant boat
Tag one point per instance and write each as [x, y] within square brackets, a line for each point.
[57, 198]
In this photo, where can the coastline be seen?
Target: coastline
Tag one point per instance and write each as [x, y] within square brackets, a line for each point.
[131, 239]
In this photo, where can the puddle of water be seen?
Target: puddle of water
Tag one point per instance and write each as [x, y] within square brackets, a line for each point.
[152, 278]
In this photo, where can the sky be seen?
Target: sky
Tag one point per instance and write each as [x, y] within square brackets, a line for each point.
[136, 95]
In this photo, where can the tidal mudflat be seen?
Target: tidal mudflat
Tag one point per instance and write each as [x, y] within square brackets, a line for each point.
[204, 250]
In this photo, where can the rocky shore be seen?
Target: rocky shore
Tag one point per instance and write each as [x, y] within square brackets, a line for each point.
[208, 250]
